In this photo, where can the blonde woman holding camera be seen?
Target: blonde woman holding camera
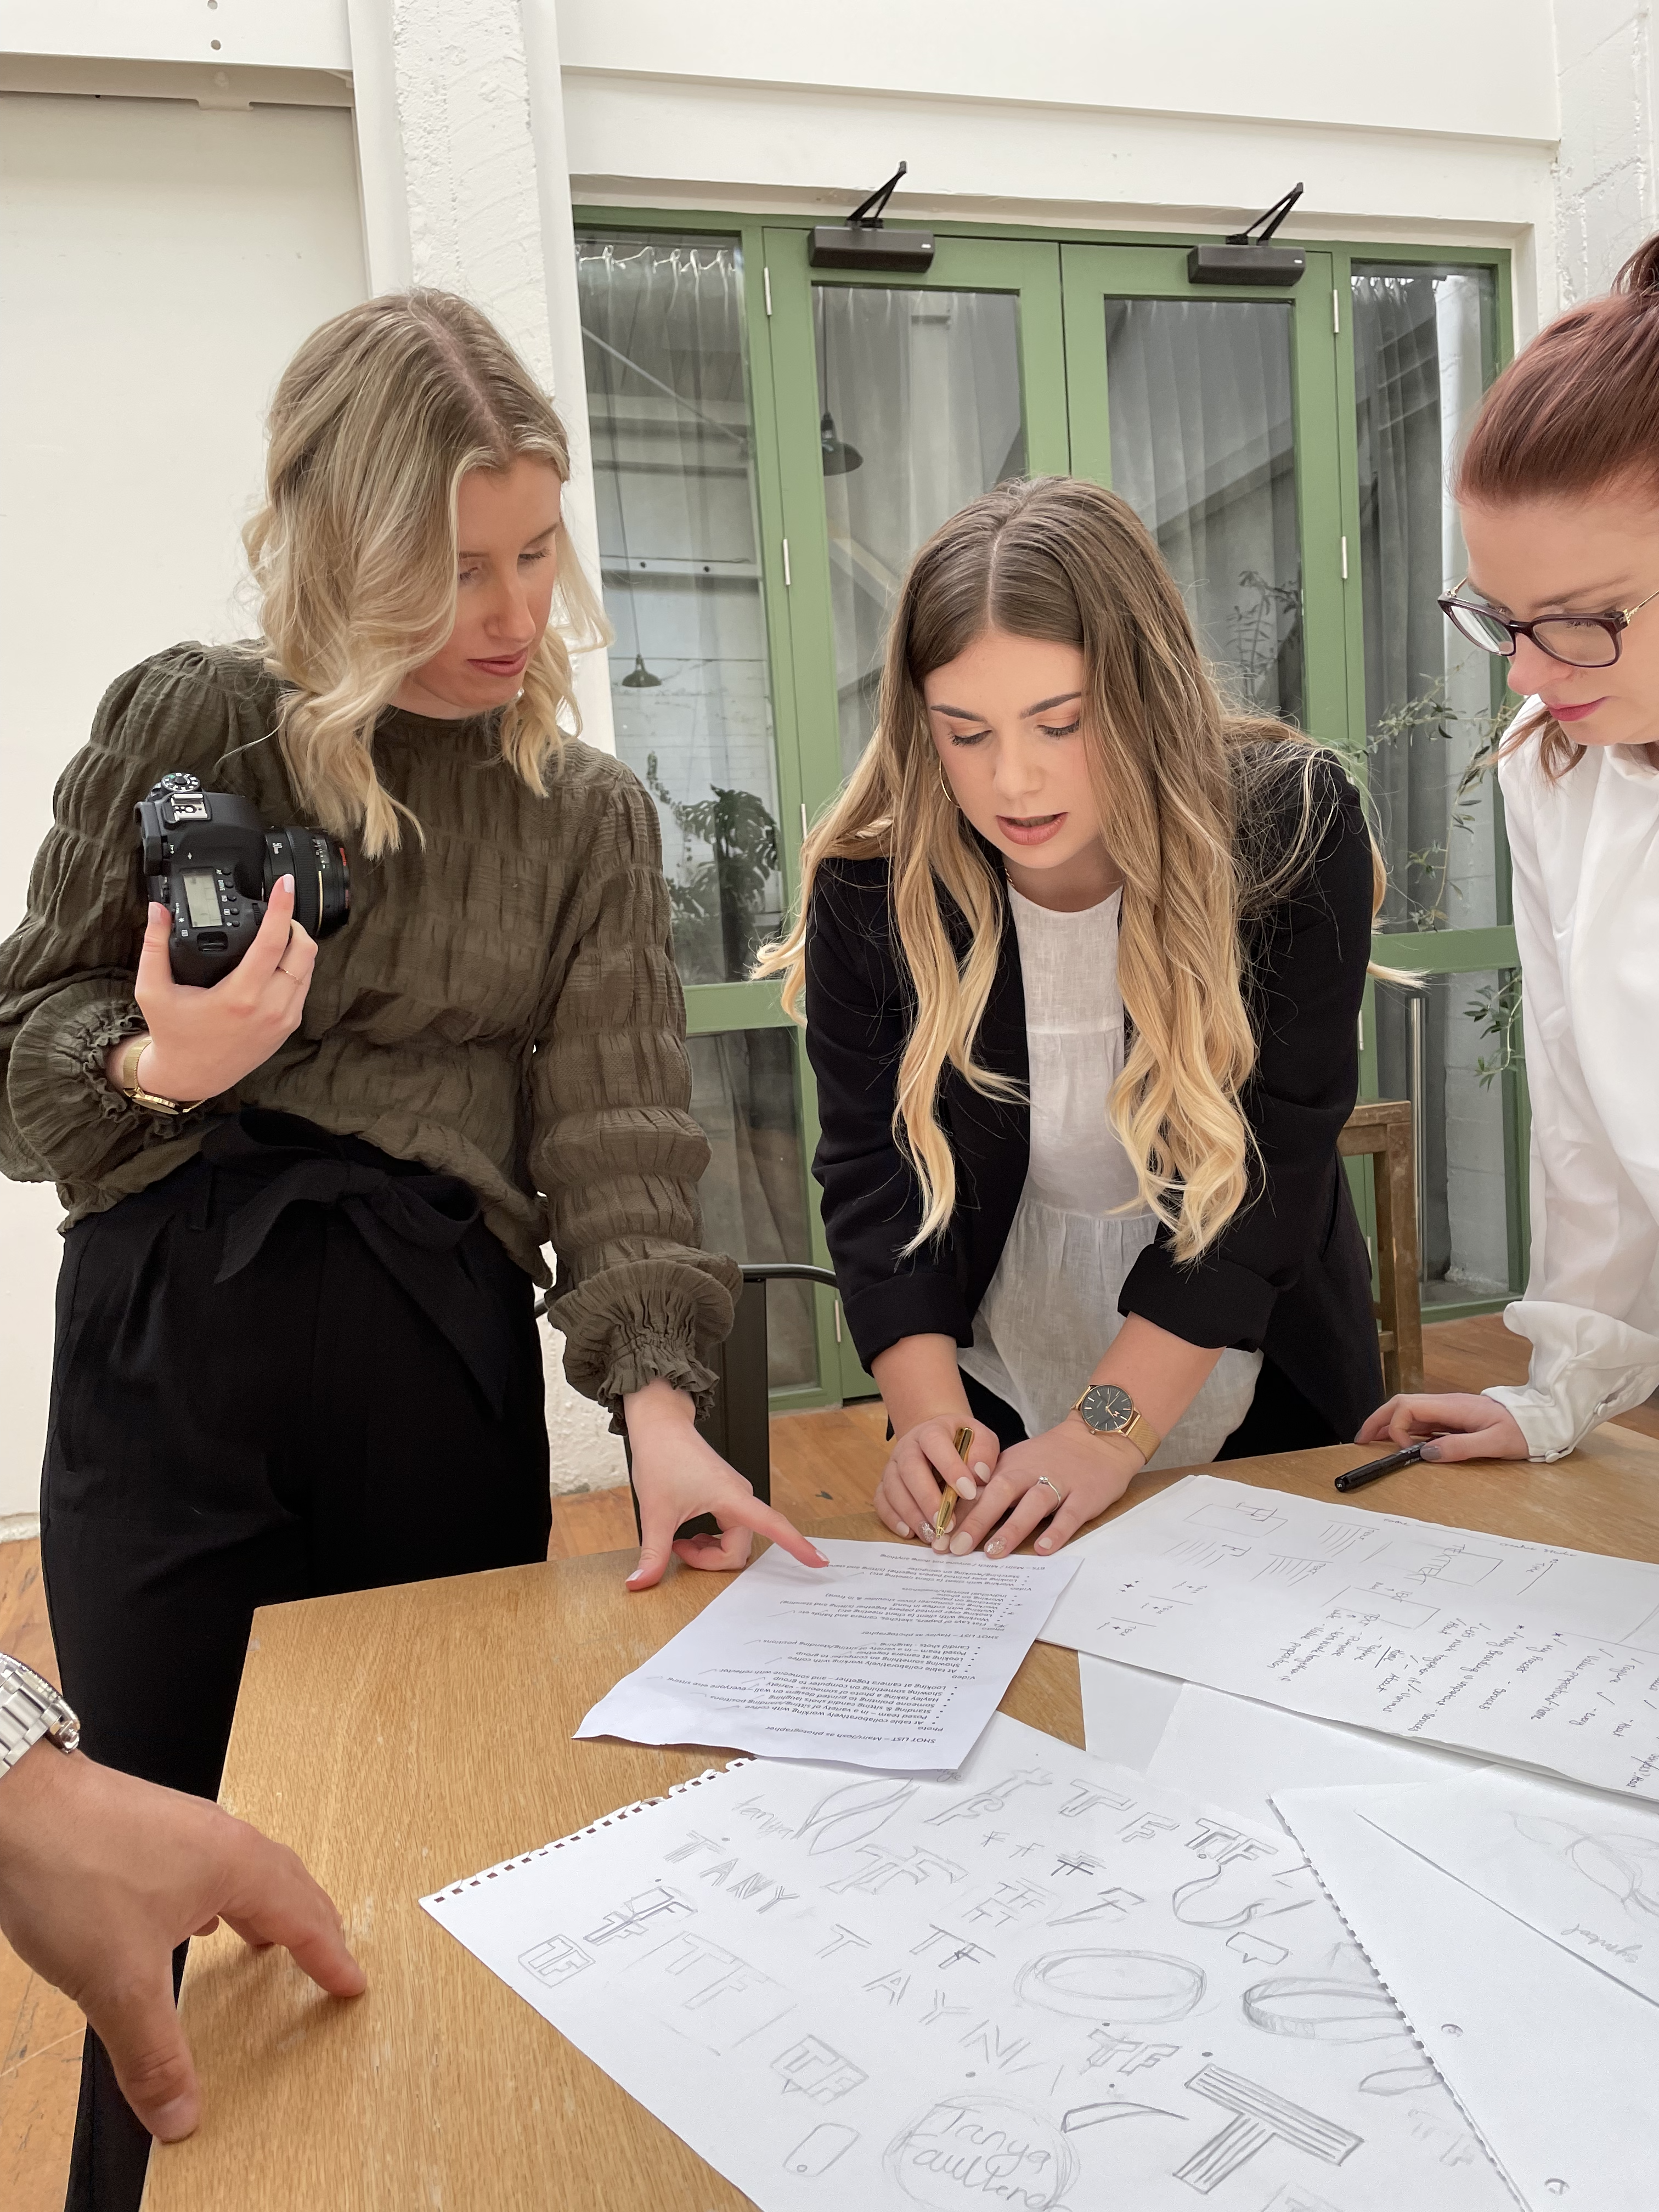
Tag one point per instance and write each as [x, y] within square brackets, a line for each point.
[296, 1351]
[1082, 956]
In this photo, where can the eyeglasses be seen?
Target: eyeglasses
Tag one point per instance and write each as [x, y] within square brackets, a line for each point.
[1577, 641]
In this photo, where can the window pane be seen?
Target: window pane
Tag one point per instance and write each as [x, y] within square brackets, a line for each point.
[674, 474]
[1422, 339]
[754, 1193]
[1198, 394]
[919, 393]
[1451, 1049]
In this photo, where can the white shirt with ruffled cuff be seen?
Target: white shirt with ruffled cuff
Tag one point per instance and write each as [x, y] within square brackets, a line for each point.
[1586, 856]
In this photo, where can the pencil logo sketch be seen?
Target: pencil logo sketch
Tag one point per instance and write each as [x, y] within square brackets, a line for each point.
[976, 2151]
[719, 2000]
[882, 1868]
[812, 2069]
[1124, 2054]
[1237, 1895]
[1393, 1607]
[1441, 1563]
[637, 1914]
[1324, 2011]
[1400, 2081]
[1196, 1554]
[1120, 1988]
[1086, 1798]
[852, 1812]
[1290, 2198]
[941, 1948]
[816, 2152]
[554, 1961]
[983, 1803]
[1108, 1905]
[1111, 2108]
[1259, 2117]
[1248, 1517]
[1008, 1902]
[1625, 1865]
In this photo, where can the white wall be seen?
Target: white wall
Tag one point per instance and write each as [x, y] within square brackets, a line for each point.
[1420, 119]
[158, 265]
[1606, 187]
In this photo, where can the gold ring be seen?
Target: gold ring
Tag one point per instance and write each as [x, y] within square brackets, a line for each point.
[1047, 1484]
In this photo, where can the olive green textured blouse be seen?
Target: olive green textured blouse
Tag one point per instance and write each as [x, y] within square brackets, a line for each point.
[502, 1005]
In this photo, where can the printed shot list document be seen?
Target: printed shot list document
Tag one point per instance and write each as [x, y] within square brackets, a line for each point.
[891, 1656]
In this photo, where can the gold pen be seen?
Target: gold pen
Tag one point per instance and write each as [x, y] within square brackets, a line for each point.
[944, 1519]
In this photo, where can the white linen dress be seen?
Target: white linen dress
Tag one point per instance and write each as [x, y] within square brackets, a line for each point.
[1051, 1310]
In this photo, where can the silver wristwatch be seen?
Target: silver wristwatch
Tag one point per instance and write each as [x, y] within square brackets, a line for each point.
[30, 1709]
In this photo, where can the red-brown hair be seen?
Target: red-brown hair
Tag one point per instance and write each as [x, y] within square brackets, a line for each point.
[1576, 412]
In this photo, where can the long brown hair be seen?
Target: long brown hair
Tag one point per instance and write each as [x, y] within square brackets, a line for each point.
[376, 420]
[1175, 776]
[1575, 412]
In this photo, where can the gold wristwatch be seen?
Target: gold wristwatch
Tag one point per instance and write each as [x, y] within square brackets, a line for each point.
[1108, 1410]
[129, 1087]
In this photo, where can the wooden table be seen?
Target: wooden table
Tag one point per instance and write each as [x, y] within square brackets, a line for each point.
[400, 1739]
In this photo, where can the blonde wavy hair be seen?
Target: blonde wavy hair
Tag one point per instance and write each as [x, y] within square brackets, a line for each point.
[376, 420]
[1188, 792]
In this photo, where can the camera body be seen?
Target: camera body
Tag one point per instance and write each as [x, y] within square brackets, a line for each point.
[207, 856]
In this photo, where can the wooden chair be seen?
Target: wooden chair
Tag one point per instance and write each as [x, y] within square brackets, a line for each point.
[1381, 1129]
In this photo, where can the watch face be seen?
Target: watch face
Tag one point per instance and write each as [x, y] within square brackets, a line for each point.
[1107, 1407]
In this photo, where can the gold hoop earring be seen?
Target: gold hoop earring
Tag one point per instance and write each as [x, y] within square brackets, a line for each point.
[944, 783]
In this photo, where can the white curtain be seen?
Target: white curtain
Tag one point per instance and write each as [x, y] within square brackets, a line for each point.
[1198, 398]
[668, 401]
[919, 393]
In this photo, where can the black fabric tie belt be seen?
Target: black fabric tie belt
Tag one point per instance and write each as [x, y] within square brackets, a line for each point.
[412, 1220]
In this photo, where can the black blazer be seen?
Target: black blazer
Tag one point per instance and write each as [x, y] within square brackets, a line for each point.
[1289, 1276]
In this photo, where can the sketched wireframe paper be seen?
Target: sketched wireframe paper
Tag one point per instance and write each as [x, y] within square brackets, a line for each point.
[1044, 1984]
[889, 1657]
[1578, 1866]
[1553, 2066]
[1476, 1643]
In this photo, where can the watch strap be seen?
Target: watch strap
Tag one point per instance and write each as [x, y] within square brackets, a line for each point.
[129, 1087]
[1137, 1430]
[29, 1709]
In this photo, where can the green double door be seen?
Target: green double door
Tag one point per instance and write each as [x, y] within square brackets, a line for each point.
[815, 428]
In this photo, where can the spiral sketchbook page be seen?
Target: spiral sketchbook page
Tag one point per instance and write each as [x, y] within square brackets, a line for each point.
[1528, 1653]
[1579, 1867]
[891, 1656]
[1044, 1984]
[1554, 2065]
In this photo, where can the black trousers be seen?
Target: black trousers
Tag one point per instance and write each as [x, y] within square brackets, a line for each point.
[295, 1366]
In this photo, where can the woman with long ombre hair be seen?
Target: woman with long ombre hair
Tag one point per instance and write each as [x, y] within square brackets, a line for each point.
[1557, 490]
[296, 1348]
[1082, 956]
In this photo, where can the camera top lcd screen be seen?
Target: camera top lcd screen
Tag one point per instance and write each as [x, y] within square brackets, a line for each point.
[202, 898]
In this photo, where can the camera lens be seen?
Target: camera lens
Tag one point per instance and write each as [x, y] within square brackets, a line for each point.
[322, 881]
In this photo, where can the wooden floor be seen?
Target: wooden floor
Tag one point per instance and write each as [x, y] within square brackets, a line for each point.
[822, 1464]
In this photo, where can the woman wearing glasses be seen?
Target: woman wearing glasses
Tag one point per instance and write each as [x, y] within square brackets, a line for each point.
[1559, 489]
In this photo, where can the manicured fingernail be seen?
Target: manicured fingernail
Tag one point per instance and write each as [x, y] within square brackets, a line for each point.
[981, 1470]
[1430, 1451]
[901, 1530]
[1045, 1543]
[964, 1488]
[993, 1548]
[287, 882]
[941, 1542]
[960, 1542]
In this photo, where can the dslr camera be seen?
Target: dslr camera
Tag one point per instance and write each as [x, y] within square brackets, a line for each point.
[207, 856]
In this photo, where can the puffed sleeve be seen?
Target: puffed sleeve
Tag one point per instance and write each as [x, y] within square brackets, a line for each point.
[613, 1143]
[1306, 977]
[67, 971]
